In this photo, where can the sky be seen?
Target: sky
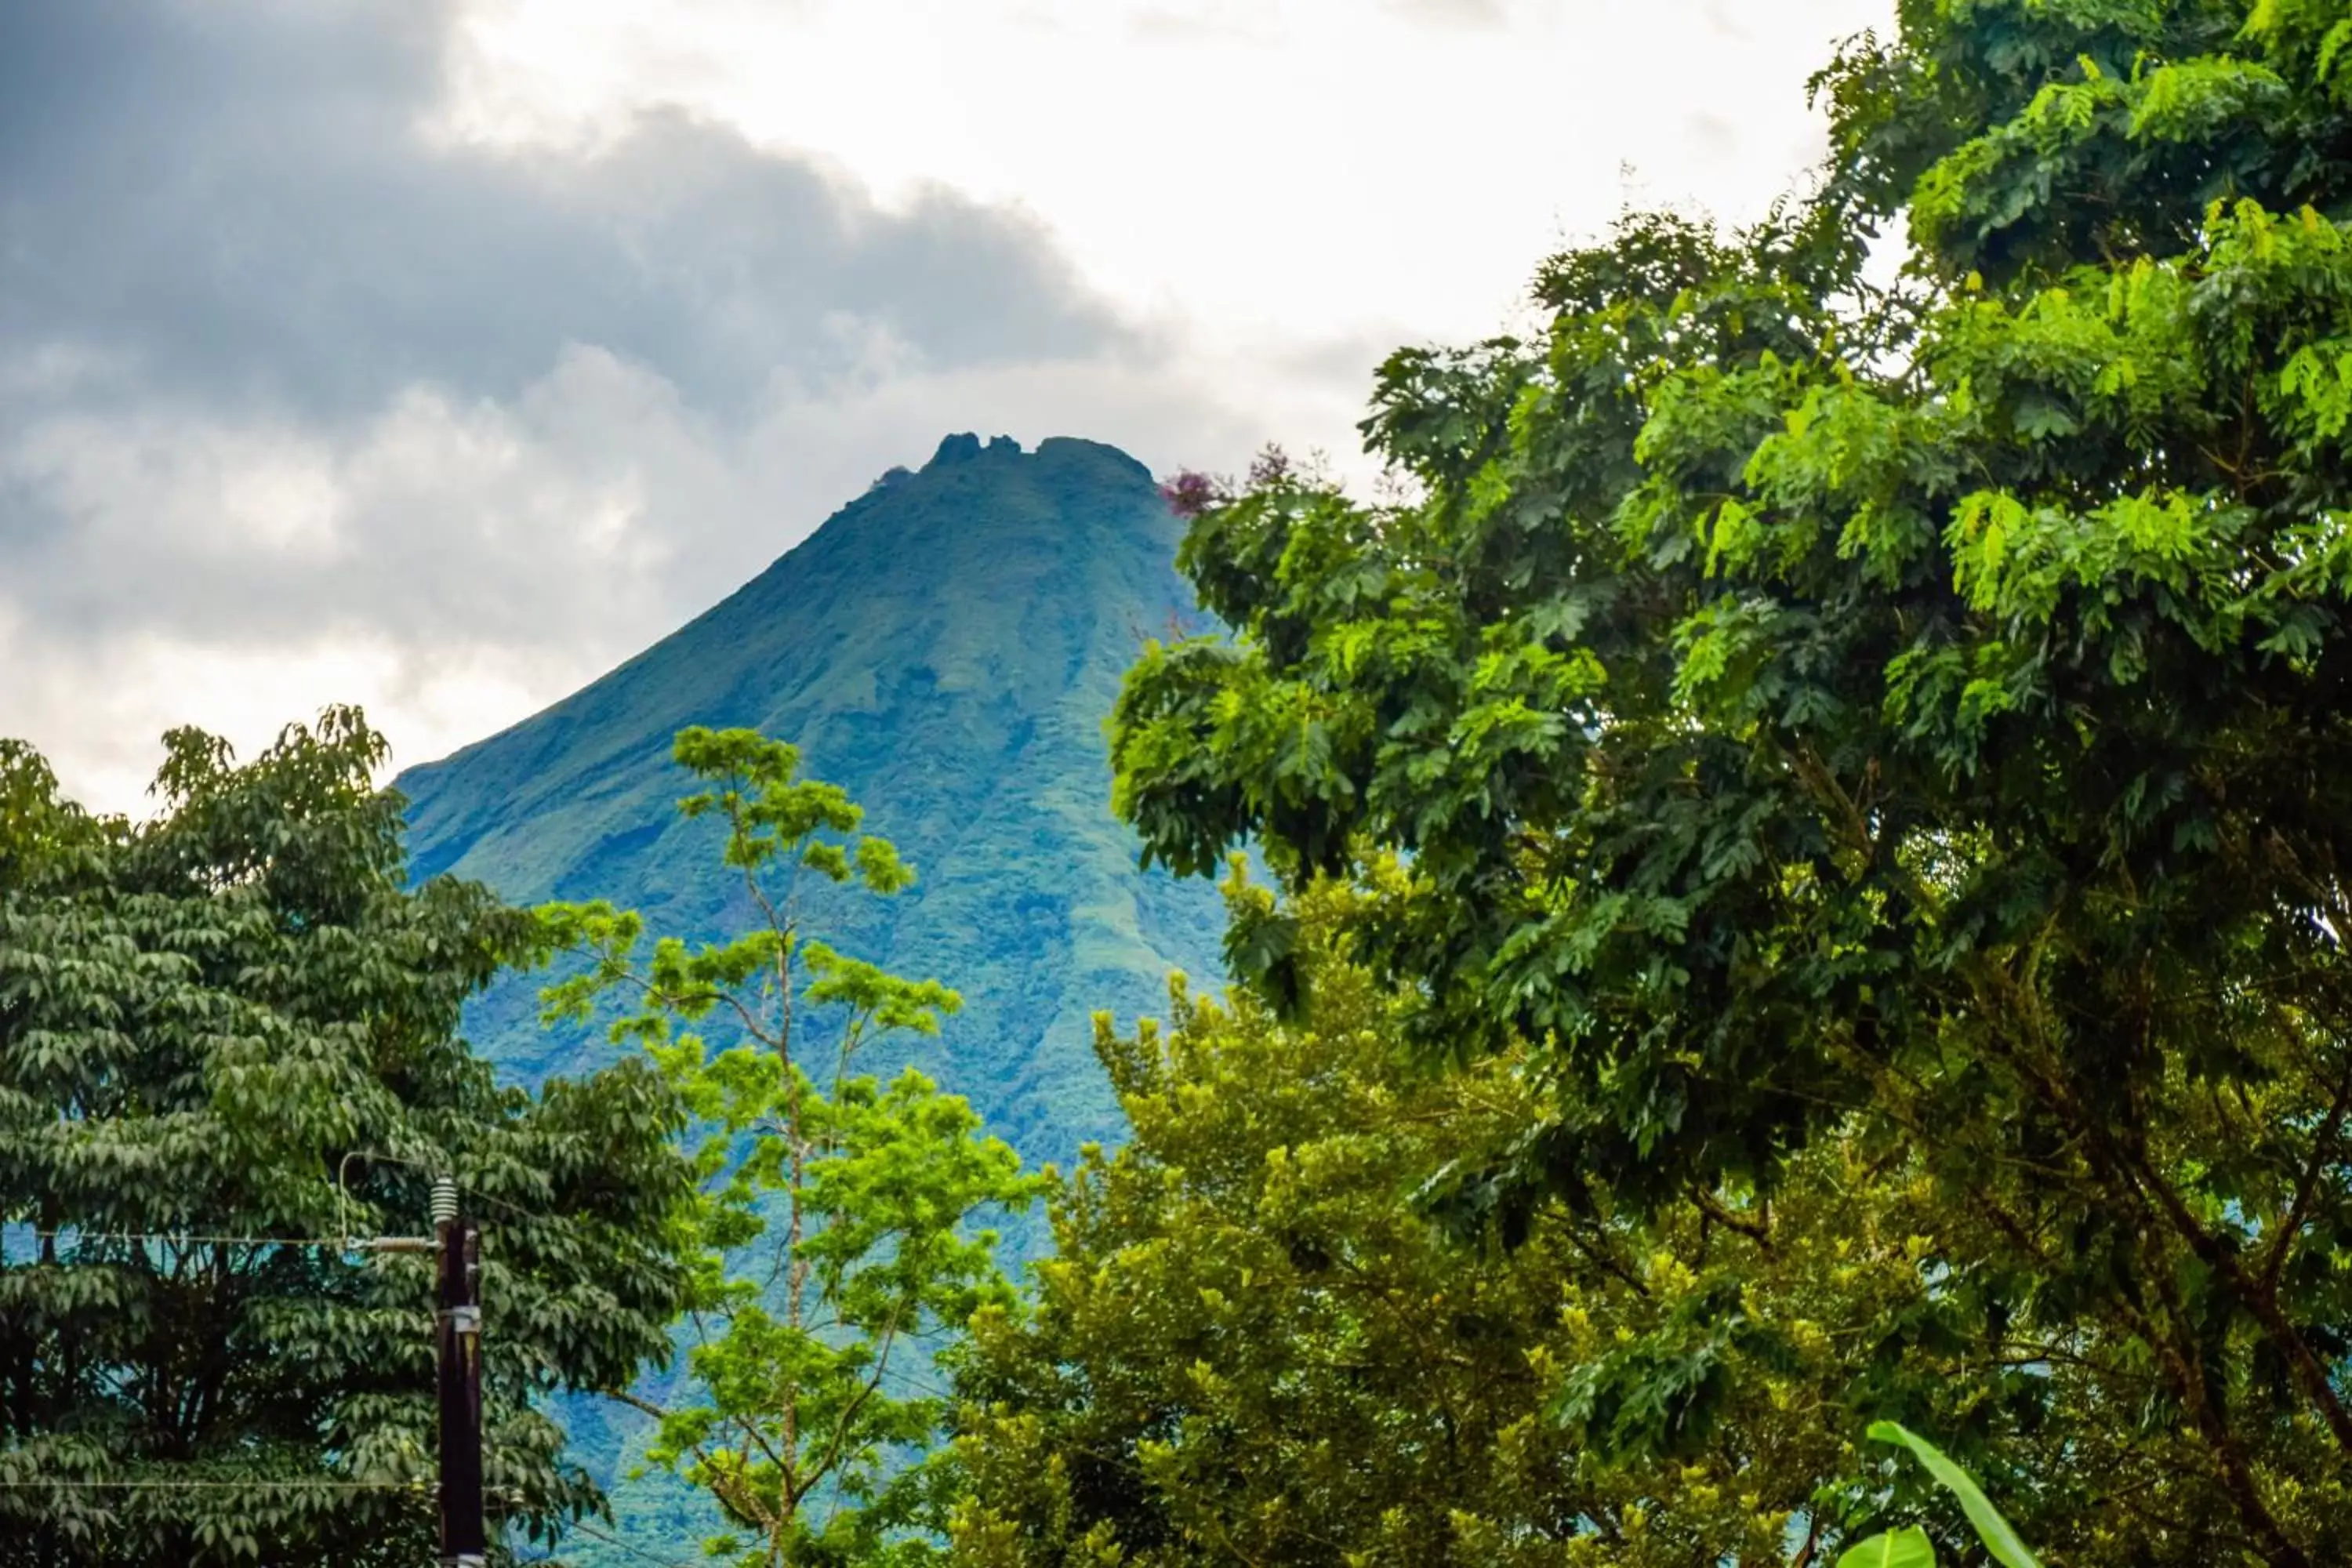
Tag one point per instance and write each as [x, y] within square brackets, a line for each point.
[439, 355]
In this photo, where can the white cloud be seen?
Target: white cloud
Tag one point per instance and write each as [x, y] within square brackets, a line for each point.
[328, 374]
[1275, 166]
[454, 565]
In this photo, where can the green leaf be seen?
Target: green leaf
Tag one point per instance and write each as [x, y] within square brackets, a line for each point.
[1899, 1549]
[1995, 1531]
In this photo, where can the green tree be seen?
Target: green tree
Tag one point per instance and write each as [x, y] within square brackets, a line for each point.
[228, 1040]
[1246, 1346]
[837, 1246]
[1914, 714]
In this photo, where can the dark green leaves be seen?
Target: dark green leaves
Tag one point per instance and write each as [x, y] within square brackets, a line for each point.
[1806, 707]
[228, 1043]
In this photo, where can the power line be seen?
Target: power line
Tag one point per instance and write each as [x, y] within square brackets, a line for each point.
[421, 1487]
[178, 1239]
[258, 1485]
[638, 1552]
[346, 1242]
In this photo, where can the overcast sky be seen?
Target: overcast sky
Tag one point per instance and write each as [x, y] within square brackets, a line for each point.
[437, 355]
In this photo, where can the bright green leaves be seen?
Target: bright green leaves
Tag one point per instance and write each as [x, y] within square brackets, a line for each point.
[1246, 1346]
[803, 1407]
[1909, 1547]
[605, 937]
[1524, 699]
[879, 1000]
[2194, 101]
[1719, 645]
[2038, 134]
[2023, 566]
[1811, 707]
[1998, 1538]
[2317, 380]
[773, 815]
[880, 867]
[2331, 54]
[840, 1230]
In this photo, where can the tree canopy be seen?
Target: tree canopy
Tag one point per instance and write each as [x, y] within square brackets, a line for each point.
[1811, 706]
[1247, 1347]
[839, 1233]
[228, 1042]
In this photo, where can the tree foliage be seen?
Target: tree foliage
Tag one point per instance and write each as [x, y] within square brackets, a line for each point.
[227, 1041]
[1915, 714]
[1246, 1345]
[836, 1232]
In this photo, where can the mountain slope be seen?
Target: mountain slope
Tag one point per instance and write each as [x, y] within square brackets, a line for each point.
[946, 648]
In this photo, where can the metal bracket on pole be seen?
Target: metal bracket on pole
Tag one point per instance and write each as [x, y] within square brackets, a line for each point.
[464, 1540]
[458, 1247]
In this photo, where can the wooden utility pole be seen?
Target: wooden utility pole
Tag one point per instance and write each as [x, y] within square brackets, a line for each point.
[465, 1541]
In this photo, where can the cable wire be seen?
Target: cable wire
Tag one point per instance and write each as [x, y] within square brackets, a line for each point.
[284, 1484]
[190, 1239]
[339, 1243]
[638, 1552]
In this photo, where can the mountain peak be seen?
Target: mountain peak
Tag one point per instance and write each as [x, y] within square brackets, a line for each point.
[946, 648]
[958, 451]
[972, 490]
[964, 446]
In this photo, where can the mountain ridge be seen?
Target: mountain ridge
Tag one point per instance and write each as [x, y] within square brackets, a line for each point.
[945, 647]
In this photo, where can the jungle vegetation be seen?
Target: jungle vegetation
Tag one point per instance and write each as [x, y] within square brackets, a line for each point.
[1785, 900]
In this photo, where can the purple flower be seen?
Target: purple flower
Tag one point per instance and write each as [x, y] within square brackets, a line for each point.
[1191, 492]
[1270, 467]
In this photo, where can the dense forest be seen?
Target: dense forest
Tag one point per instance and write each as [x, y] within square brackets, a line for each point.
[1784, 902]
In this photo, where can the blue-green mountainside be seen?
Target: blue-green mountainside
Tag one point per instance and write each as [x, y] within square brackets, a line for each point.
[946, 648]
